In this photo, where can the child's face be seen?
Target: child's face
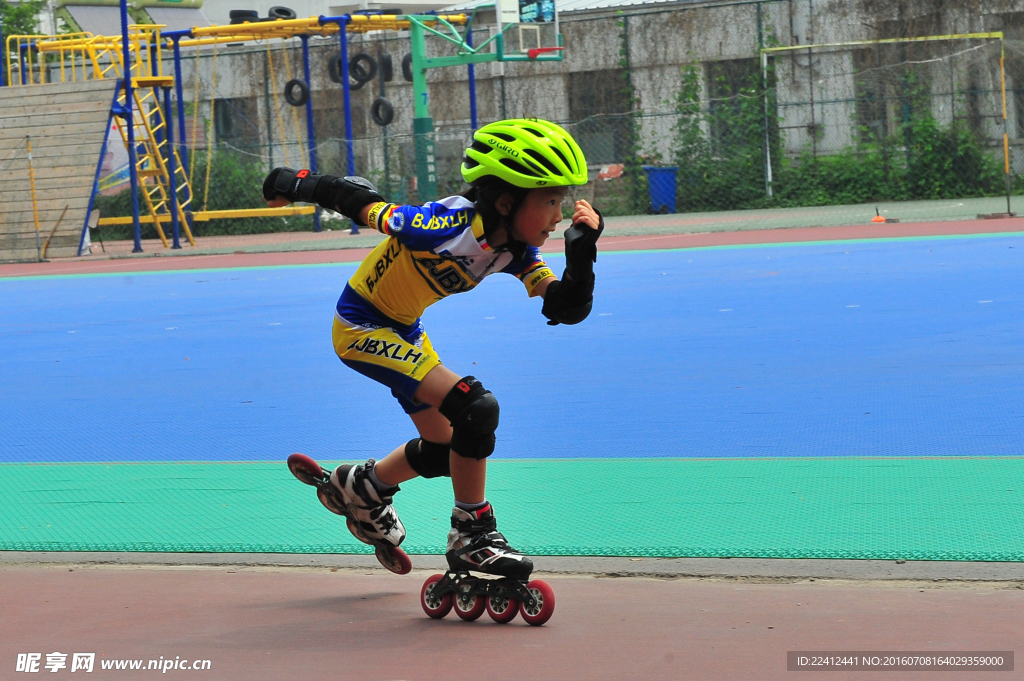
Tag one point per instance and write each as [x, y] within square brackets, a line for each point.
[539, 214]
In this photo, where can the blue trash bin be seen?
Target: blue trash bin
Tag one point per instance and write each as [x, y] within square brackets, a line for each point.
[662, 183]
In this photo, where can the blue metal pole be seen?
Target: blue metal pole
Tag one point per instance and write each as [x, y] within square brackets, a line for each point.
[96, 177]
[156, 90]
[183, 145]
[21, 61]
[342, 23]
[173, 184]
[347, 91]
[310, 135]
[126, 113]
[472, 78]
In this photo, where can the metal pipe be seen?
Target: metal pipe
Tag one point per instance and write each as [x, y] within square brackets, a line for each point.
[183, 145]
[126, 112]
[342, 22]
[32, 186]
[172, 183]
[310, 135]
[96, 177]
[1006, 136]
[22, 48]
[472, 78]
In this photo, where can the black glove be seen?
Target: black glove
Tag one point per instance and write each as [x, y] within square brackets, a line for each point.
[346, 195]
[581, 250]
[568, 301]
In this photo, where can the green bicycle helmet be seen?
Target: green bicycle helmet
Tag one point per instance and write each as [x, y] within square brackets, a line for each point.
[527, 153]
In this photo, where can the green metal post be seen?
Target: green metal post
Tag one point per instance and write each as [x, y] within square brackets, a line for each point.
[422, 123]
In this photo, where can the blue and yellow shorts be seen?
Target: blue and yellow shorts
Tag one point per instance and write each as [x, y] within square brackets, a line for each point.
[381, 354]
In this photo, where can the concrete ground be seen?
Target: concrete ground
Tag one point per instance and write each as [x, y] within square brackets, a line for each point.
[341, 617]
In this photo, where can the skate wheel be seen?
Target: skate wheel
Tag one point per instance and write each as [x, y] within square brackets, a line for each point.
[541, 611]
[434, 605]
[305, 469]
[469, 606]
[502, 609]
[328, 501]
[394, 559]
[354, 529]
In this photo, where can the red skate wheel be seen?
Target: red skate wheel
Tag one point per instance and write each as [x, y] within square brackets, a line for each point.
[469, 606]
[541, 611]
[305, 469]
[435, 606]
[354, 529]
[394, 559]
[328, 501]
[501, 609]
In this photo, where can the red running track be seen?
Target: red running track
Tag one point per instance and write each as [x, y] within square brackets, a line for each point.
[288, 624]
[609, 242]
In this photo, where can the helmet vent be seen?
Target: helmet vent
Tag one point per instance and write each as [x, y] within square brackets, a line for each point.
[469, 163]
[562, 158]
[518, 167]
[535, 132]
[576, 159]
[544, 162]
[481, 147]
[504, 136]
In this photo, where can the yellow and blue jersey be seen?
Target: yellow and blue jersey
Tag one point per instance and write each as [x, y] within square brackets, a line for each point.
[432, 251]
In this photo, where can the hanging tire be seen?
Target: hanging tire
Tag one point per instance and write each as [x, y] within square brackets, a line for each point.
[387, 67]
[282, 13]
[362, 67]
[382, 112]
[355, 85]
[241, 16]
[296, 92]
[334, 68]
[407, 67]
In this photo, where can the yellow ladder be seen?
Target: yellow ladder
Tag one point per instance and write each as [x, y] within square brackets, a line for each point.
[83, 56]
[152, 154]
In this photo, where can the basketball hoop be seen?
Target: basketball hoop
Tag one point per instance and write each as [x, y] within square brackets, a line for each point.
[534, 51]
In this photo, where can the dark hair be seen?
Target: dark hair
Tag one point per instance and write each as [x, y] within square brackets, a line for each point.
[485, 192]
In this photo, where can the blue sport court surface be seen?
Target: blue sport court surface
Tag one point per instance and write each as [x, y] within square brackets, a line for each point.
[846, 399]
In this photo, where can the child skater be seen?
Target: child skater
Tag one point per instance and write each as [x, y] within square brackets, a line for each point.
[518, 171]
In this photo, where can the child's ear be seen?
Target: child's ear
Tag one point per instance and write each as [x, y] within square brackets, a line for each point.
[504, 204]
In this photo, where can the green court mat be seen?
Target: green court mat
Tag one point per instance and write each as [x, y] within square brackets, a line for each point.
[878, 508]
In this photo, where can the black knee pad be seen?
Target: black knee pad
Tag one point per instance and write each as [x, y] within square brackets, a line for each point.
[473, 413]
[429, 459]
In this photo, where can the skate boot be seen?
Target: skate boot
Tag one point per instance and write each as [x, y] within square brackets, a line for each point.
[474, 543]
[374, 518]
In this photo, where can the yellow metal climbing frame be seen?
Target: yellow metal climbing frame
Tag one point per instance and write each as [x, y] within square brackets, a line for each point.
[83, 56]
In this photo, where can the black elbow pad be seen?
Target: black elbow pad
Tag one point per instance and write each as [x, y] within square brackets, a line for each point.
[346, 195]
[568, 302]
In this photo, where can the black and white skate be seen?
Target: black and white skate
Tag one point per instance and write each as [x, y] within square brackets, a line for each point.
[371, 509]
[474, 544]
[390, 556]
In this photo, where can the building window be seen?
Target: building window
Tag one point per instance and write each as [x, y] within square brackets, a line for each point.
[235, 121]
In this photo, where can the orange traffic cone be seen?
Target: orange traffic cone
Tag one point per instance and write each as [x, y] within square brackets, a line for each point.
[877, 218]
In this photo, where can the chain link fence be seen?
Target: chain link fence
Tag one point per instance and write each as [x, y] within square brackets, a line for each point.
[897, 121]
